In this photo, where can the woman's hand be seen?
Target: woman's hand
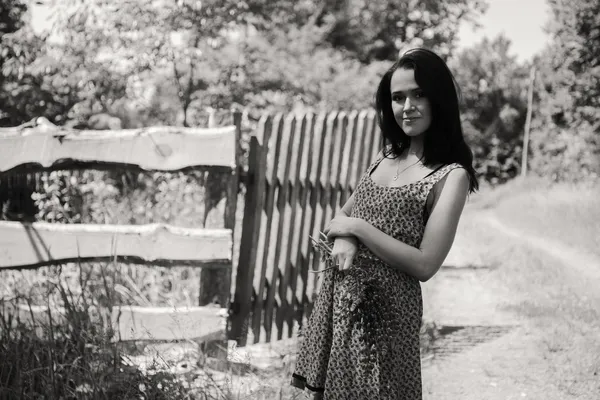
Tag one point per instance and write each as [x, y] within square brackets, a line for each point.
[344, 250]
[341, 226]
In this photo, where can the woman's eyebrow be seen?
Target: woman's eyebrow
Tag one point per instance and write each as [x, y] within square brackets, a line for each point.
[406, 91]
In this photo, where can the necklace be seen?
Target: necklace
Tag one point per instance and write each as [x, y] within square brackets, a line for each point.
[399, 172]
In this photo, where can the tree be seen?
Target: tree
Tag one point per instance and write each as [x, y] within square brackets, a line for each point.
[493, 87]
[32, 79]
[297, 69]
[566, 128]
[378, 29]
[179, 40]
[11, 20]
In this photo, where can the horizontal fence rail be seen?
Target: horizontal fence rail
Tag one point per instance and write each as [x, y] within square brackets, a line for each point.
[155, 148]
[132, 323]
[27, 245]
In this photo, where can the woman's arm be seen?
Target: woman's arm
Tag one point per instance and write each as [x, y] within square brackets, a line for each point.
[347, 207]
[425, 261]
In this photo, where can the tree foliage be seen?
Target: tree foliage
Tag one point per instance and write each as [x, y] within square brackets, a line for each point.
[566, 128]
[493, 87]
[121, 57]
[378, 29]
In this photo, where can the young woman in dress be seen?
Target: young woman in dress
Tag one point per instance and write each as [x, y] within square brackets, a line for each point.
[362, 338]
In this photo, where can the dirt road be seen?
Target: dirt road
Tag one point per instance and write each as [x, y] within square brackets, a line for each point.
[519, 318]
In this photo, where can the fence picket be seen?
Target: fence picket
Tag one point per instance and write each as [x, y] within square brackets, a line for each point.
[287, 284]
[337, 165]
[269, 205]
[251, 229]
[350, 141]
[282, 233]
[324, 181]
[359, 150]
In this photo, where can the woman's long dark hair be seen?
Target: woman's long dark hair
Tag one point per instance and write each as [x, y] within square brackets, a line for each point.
[444, 141]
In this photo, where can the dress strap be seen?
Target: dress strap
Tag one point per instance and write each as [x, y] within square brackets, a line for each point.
[432, 179]
[439, 173]
[434, 171]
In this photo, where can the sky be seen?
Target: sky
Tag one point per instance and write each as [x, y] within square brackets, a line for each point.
[521, 21]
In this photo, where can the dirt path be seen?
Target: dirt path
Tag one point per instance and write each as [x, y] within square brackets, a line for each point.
[514, 308]
[586, 263]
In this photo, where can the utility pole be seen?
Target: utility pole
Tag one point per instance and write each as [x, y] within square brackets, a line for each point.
[527, 123]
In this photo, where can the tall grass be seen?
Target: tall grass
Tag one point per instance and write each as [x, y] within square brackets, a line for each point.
[68, 352]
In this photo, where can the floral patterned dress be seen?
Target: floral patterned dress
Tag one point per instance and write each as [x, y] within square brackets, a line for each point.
[362, 337]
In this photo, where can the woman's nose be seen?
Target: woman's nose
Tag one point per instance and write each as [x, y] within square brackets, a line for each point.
[407, 104]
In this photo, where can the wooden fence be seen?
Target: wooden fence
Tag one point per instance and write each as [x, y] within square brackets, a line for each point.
[302, 168]
[34, 244]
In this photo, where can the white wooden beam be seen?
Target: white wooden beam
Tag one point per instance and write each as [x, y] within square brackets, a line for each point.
[25, 245]
[143, 323]
[154, 148]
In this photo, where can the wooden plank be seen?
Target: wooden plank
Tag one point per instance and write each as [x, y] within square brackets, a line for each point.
[347, 159]
[337, 166]
[251, 224]
[331, 152]
[168, 323]
[153, 148]
[370, 128]
[376, 141]
[302, 225]
[286, 291]
[215, 284]
[271, 176]
[144, 323]
[359, 152]
[24, 245]
[324, 193]
[312, 183]
[318, 151]
[281, 234]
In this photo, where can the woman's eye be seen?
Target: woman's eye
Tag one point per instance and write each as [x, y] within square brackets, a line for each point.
[398, 98]
[419, 95]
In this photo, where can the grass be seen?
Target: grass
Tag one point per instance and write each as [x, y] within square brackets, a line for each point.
[74, 354]
[71, 356]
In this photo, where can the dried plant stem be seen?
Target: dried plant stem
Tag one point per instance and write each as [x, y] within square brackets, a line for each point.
[323, 246]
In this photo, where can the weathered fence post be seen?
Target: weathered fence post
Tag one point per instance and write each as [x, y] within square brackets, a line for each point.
[253, 208]
[215, 283]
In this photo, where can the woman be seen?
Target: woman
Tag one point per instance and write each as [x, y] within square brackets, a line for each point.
[362, 339]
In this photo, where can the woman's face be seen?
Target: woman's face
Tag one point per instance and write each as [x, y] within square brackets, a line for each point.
[412, 109]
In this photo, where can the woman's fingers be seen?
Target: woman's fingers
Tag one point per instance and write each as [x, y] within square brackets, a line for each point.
[340, 260]
[347, 263]
[344, 261]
